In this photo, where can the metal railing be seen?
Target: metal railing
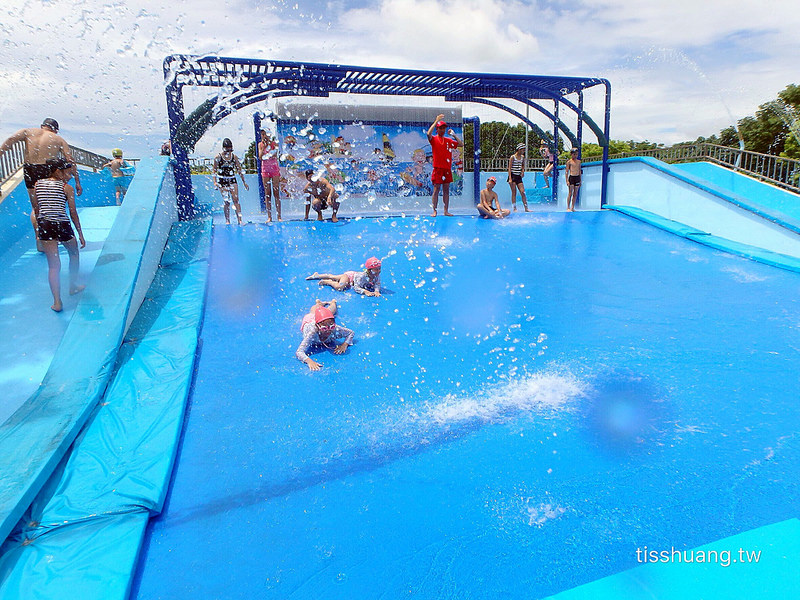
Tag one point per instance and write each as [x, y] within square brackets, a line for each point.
[777, 170]
[501, 164]
[88, 159]
[206, 165]
[13, 159]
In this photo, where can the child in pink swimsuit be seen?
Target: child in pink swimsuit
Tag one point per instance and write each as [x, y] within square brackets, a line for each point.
[270, 173]
[367, 282]
[320, 329]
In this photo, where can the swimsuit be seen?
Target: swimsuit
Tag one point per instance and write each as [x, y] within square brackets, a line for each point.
[311, 336]
[121, 182]
[575, 180]
[361, 283]
[517, 165]
[34, 172]
[49, 231]
[52, 222]
[440, 175]
[226, 170]
[269, 165]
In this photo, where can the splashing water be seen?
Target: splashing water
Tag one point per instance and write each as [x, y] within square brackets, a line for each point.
[541, 393]
[789, 115]
[677, 57]
[407, 431]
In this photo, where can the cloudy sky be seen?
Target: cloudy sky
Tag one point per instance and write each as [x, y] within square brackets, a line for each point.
[678, 69]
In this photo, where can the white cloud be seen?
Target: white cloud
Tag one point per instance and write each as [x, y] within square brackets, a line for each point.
[95, 65]
[432, 34]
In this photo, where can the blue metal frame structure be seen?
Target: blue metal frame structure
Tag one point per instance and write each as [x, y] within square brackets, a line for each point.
[476, 155]
[243, 82]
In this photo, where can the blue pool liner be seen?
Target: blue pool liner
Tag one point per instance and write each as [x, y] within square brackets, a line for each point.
[778, 202]
[775, 574]
[761, 255]
[81, 536]
[758, 204]
[36, 437]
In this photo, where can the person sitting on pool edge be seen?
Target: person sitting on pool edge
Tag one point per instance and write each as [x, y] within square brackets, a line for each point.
[367, 282]
[488, 199]
[320, 331]
[320, 194]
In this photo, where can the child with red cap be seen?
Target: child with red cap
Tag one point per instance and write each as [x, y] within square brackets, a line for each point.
[367, 282]
[320, 329]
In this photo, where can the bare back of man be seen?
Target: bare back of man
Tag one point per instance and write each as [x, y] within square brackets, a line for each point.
[41, 143]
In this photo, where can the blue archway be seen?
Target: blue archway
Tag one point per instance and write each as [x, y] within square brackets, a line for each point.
[243, 82]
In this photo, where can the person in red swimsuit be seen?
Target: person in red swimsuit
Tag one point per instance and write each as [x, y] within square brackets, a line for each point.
[442, 162]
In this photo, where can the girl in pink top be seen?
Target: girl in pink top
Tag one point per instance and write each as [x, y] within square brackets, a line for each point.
[270, 173]
[367, 282]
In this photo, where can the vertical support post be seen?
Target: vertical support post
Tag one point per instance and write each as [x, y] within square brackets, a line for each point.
[476, 157]
[261, 193]
[527, 129]
[580, 125]
[180, 155]
[607, 133]
[580, 142]
[555, 151]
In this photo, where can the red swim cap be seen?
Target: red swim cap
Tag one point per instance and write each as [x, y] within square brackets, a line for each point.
[373, 263]
[322, 314]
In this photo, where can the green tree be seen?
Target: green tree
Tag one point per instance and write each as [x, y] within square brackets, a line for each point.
[499, 140]
[250, 158]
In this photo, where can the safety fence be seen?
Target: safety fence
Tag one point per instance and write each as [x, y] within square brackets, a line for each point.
[777, 170]
[12, 160]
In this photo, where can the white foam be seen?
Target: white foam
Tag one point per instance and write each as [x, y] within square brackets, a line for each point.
[742, 275]
[541, 393]
[534, 393]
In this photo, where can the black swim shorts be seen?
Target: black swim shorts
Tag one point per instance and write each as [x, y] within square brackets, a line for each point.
[48, 231]
[575, 180]
[516, 178]
[34, 172]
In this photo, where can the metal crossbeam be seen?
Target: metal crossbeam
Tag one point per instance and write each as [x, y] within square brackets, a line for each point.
[246, 81]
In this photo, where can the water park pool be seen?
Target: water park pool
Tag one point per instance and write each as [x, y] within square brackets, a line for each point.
[529, 402]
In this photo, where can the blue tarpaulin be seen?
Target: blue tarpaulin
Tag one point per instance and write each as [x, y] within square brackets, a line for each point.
[81, 536]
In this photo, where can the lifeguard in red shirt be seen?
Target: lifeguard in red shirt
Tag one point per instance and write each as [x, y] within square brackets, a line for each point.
[442, 162]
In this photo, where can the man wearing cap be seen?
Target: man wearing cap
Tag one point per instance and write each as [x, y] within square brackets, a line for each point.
[41, 143]
[442, 162]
